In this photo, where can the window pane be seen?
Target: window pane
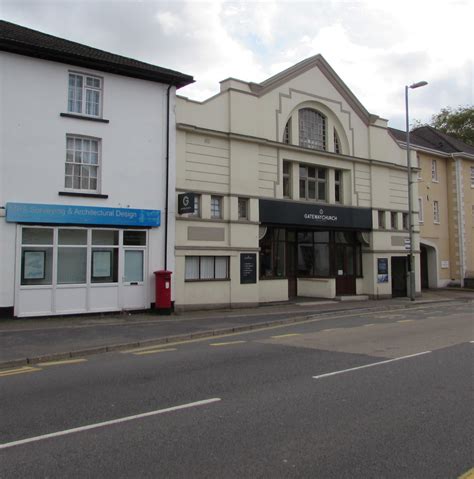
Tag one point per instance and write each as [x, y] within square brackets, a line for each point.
[72, 237]
[311, 190]
[221, 267]
[134, 238]
[191, 267]
[321, 236]
[207, 267]
[322, 191]
[305, 259]
[280, 259]
[72, 265]
[302, 189]
[321, 259]
[105, 237]
[133, 266]
[104, 268]
[36, 265]
[37, 236]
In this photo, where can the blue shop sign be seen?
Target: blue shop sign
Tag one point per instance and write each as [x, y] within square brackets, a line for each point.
[80, 215]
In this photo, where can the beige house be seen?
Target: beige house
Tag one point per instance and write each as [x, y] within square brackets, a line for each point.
[298, 191]
[446, 204]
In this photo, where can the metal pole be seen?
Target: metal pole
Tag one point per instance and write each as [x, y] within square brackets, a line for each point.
[411, 259]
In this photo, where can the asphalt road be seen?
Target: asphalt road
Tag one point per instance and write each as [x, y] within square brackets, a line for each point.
[399, 404]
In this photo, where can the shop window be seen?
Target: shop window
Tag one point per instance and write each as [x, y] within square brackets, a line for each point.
[312, 129]
[272, 254]
[82, 163]
[104, 267]
[104, 257]
[37, 236]
[286, 179]
[206, 268]
[84, 95]
[313, 254]
[313, 183]
[216, 207]
[105, 237]
[243, 207]
[72, 256]
[134, 238]
[338, 186]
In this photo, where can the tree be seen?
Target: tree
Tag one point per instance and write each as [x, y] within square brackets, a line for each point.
[458, 123]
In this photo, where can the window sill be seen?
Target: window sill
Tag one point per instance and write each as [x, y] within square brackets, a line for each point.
[83, 195]
[205, 280]
[83, 117]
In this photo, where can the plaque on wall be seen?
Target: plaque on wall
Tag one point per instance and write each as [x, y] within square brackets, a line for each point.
[33, 266]
[248, 268]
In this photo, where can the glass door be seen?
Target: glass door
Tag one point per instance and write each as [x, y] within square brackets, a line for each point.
[134, 270]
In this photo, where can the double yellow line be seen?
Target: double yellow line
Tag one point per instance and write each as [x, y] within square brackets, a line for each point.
[39, 367]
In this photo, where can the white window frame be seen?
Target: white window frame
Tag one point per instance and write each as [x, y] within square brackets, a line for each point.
[434, 171]
[200, 274]
[71, 155]
[420, 210]
[436, 212]
[84, 90]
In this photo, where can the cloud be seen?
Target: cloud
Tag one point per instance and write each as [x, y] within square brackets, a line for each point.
[376, 47]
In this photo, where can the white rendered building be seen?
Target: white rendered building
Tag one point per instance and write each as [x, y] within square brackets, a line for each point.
[87, 156]
[298, 191]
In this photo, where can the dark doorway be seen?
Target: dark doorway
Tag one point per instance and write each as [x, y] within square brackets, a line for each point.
[425, 283]
[345, 263]
[399, 276]
[291, 264]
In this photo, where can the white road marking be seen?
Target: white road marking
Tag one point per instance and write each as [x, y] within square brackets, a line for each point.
[369, 365]
[107, 423]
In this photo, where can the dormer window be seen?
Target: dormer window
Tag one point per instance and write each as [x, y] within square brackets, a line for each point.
[312, 129]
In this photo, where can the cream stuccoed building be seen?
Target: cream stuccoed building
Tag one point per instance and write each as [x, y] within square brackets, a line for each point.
[297, 189]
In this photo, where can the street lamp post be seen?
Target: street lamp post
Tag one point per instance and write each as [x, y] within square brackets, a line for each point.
[411, 259]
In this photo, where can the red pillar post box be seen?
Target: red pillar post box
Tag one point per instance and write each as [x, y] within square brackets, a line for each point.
[163, 292]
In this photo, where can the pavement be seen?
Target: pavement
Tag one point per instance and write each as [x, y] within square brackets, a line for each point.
[33, 340]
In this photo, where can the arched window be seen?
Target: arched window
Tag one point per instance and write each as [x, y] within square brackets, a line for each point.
[312, 129]
[337, 143]
[286, 133]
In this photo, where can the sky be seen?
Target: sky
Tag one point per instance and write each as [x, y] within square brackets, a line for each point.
[376, 46]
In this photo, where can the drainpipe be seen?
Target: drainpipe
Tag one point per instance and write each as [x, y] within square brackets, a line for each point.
[460, 202]
[167, 171]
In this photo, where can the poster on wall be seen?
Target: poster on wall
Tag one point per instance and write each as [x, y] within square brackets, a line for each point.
[34, 264]
[101, 264]
[382, 270]
[248, 268]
